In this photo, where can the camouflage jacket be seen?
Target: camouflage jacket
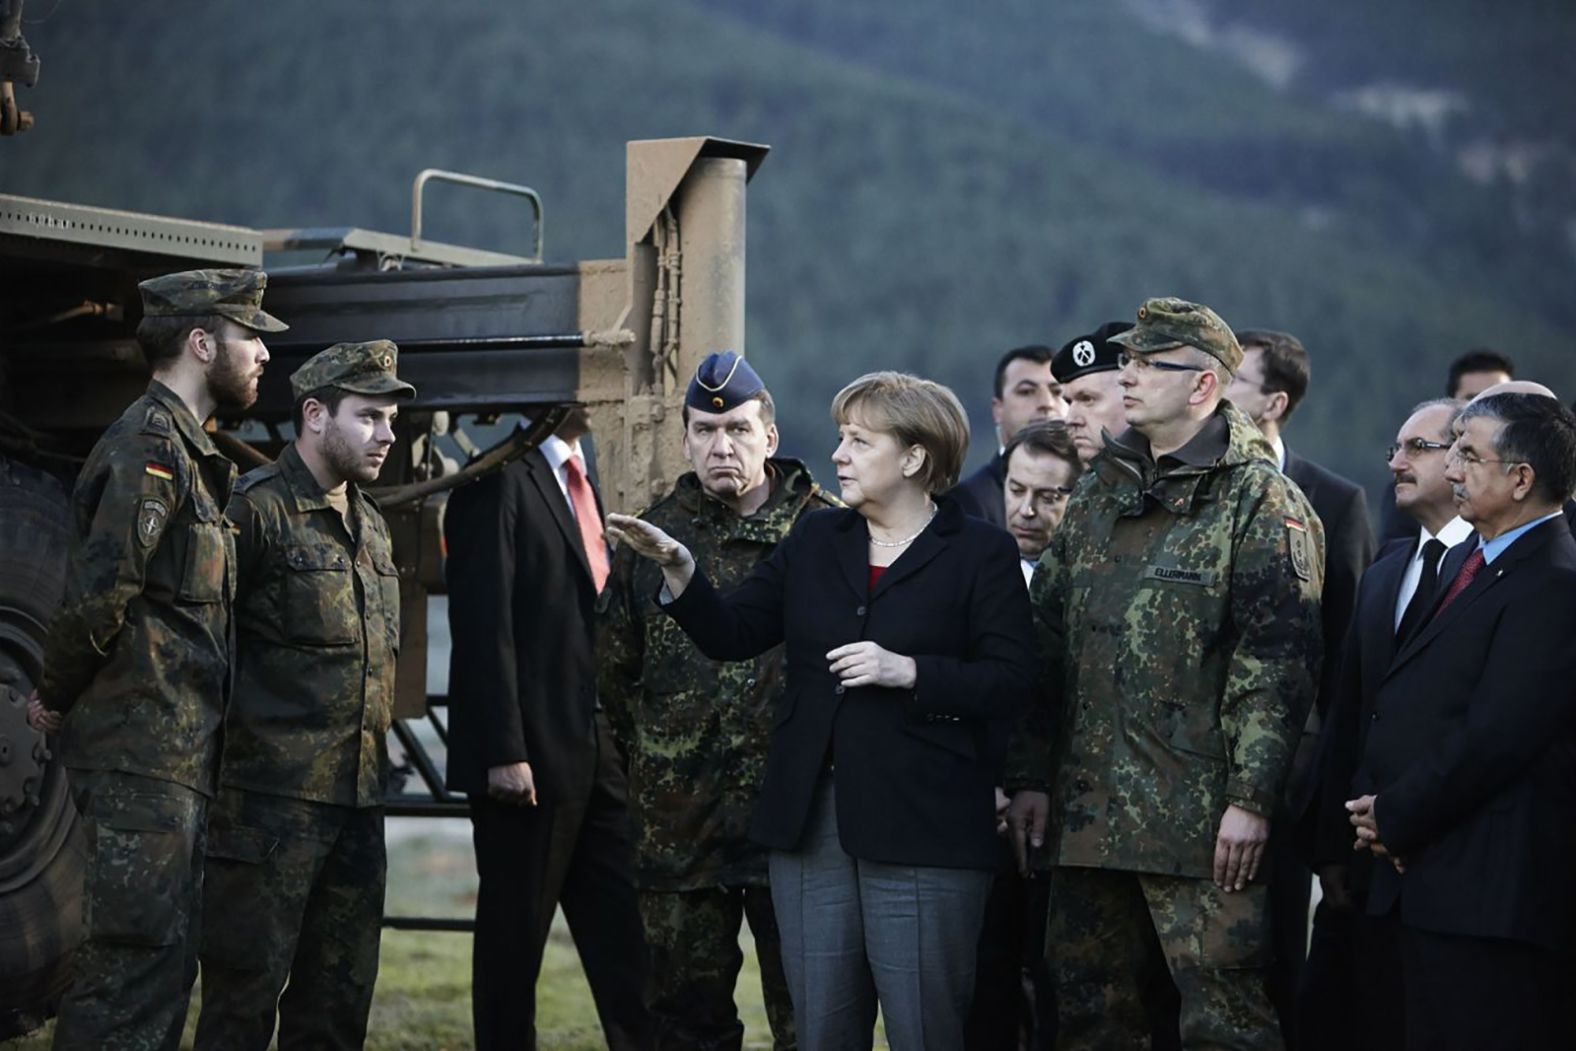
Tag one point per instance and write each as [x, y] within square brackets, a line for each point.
[139, 654]
[1177, 610]
[317, 634]
[694, 730]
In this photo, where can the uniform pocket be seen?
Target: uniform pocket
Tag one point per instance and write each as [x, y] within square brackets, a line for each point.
[207, 563]
[388, 586]
[139, 880]
[320, 596]
[239, 892]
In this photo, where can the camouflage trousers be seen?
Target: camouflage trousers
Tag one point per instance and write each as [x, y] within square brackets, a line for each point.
[695, 961]
[294, 889]
[1113, 937]
[132, 976]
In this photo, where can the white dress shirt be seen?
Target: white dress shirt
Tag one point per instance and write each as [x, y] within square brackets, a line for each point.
[1455, 531]
[1028, 565]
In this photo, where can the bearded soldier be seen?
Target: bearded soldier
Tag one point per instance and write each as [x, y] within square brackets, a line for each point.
[137, 664]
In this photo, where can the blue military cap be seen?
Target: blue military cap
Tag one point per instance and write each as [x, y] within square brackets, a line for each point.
[722, 382]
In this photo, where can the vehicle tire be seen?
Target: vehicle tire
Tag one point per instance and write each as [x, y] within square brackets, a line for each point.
[42, 854]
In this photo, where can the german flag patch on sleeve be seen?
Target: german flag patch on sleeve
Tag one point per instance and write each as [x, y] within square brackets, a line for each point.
[158, 470]
[1298, 547]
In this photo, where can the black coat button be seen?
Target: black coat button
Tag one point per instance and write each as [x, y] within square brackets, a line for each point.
[841, 689]
[859, 612]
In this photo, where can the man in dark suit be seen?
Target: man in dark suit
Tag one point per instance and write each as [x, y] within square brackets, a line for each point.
[1268, 387]
[1349, 993]
[530, 746]
[1464, 788]
[1026, 392]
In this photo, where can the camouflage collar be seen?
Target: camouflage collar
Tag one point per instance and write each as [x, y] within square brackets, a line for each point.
[185, 422]
[1228, 440]
[308, 493]
[792, 488]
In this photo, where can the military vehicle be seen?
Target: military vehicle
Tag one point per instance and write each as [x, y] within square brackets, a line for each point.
[496, 343]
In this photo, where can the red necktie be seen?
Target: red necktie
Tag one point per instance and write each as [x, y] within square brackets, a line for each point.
[1469, 569]
[584, 503]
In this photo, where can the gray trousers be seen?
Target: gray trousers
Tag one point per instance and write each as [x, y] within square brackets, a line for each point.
[855, 933]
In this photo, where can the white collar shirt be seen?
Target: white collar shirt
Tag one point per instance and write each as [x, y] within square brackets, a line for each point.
[557, 453]
[1454, 531]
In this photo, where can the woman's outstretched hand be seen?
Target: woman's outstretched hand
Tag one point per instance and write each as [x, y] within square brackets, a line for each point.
[647, 541]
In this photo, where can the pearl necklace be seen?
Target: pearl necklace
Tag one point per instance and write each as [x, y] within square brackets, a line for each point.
[908, 539]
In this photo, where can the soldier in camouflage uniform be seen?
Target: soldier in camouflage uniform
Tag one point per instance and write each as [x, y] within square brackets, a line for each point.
[296, 859]
[695, 730]
[1178, 614]
[137, 663]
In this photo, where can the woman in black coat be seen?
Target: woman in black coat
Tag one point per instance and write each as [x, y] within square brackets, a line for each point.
[907, 636]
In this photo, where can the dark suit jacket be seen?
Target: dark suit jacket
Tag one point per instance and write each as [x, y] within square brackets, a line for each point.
[1471, 753]
[1348, 550]
[916, 769]
[980, 494]
[1365, 656]
[521, 601]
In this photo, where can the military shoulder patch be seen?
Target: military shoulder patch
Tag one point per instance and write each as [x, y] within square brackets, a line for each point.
[151, 516]
[1299, 547]
[158, 421]
[159, 470]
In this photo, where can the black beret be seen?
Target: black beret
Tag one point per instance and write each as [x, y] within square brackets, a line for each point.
[1095, 352]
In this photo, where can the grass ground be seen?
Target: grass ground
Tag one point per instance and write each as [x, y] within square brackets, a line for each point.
[424, 985]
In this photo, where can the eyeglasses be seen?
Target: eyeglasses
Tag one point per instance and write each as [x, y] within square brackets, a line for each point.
[1414, 447]
[1472, 459]
[1142, 363]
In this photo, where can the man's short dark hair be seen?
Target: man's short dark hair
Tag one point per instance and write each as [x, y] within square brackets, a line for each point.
[1478, 359]
[162, 338]
[1034, 352]
[764, 396]
[1283, 361]
[328, 397]
[1537, 431]
[1049, 437]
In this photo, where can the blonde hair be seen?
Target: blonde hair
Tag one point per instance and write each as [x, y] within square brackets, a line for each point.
[916, 412]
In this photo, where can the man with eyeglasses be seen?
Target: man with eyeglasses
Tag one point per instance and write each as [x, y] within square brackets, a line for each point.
[1268, 386]
[1350, 985]
[1177, 609]
[1463, 791]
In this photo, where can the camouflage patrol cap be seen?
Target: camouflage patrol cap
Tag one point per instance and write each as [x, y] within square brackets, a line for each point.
[722, 382]
[360, 368]
[233, 294]
[1082, 355]
[1170, 322]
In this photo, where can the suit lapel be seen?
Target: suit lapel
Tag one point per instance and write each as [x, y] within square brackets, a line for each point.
[1487, 577]
[925, 547]
[546, 482]
[853, 555]
[1377, 630]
